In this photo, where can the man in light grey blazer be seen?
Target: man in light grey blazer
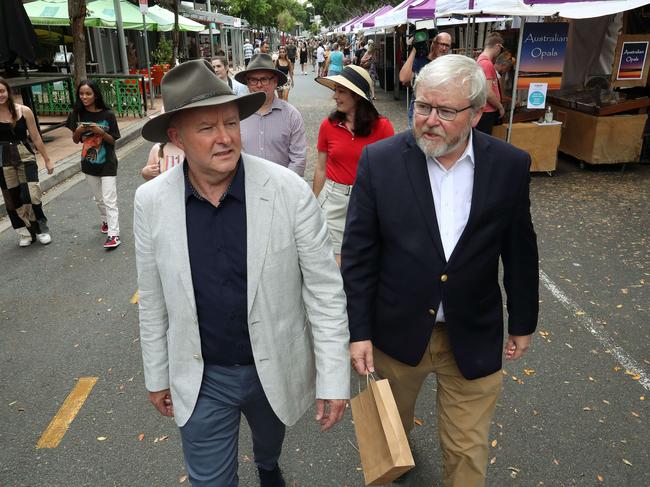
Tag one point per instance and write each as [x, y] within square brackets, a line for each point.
[242, 308]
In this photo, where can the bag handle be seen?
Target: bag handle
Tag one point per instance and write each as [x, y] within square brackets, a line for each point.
[369, 375]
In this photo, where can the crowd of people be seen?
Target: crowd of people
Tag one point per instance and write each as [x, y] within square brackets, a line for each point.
[258, 293]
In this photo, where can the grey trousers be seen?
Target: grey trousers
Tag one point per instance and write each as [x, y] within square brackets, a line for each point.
[210, 437]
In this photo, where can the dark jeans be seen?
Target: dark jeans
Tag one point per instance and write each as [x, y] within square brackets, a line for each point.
[487, 121]
[210, 437]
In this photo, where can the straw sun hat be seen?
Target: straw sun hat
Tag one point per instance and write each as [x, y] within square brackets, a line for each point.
[354, 78]
[194, 84]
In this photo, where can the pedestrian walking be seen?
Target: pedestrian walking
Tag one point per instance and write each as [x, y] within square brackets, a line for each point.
[353, 124]
[276, 131]
[248, 51]
[19, 171]
[334, 62]
[432, 212]
[292, 51]
[494, 109]
[302, 52]
[220, 65]
[367, 62]
[242, 307]
[320, 58]
[284, 64]
[162, 157]
[94, 125]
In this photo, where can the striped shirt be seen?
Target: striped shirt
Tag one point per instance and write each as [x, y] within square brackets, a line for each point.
[248, 50]
[278, 136]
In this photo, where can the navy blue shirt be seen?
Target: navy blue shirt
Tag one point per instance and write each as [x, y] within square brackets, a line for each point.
[216, 240]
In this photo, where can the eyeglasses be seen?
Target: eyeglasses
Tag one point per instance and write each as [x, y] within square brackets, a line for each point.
[259, 81]
[442, 44]
[443, 113]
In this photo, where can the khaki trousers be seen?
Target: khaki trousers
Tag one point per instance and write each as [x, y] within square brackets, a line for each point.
[464, 407]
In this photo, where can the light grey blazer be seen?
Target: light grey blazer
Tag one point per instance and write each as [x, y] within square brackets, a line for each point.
[297, 316]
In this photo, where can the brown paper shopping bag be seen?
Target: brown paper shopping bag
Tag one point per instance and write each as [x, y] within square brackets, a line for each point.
[384, 449]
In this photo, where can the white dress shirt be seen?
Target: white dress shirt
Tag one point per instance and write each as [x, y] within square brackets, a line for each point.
[452, 198]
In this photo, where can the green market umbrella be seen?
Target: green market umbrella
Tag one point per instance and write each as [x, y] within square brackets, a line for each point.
[53, 12]
[104, 10]
[165, 21]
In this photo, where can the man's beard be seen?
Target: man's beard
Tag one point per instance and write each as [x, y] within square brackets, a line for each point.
[433, 149]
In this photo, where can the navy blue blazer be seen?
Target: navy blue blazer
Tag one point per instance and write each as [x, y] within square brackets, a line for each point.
[394, 267]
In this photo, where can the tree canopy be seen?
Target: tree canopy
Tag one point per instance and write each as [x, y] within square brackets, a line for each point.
[267, 13]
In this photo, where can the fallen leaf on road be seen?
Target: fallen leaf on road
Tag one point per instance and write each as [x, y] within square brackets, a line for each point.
[636, 415]
[642, 398]
[619, 306]
[419, 422]
[101, 438]
[529, 371]
[556, 461]
[515, 378]
[12, 403]
[182, 479]
[616, 368]
[141, 437]
[568, 345]
[493, 460]
[627, 462]
[624, 290]
[135, 298]
[633, 375]
[600, 478]
[592, 379]
[586, 408]
[161, 438]
[494, 443]
[606, 401]
[99, 300]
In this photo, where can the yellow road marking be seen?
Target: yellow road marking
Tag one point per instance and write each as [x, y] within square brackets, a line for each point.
[60, 423]
[135, 298]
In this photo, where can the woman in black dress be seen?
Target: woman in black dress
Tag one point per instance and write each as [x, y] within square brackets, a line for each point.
[303, 57]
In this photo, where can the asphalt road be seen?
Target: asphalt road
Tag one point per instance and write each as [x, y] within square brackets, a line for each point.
[574, 410]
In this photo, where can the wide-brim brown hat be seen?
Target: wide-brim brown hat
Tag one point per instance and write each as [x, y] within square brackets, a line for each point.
[194, 84]
[261, 62]
[354, 78]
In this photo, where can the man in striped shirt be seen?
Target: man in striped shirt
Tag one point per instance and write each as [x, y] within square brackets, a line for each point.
[248, 51]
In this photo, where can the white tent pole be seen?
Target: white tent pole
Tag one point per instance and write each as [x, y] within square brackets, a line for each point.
[121, 41]
[207, 5]
[146, 56]
[514, 86]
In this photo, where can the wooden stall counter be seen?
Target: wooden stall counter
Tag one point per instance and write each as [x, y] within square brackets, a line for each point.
[541, 141]
[601, 140]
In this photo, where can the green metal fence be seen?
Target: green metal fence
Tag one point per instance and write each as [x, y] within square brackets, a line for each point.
[124, 94]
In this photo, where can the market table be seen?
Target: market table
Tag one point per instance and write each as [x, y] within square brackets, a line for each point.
[540, 140]
[602, 139]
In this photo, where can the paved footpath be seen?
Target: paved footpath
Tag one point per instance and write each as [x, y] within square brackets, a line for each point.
[573, 412]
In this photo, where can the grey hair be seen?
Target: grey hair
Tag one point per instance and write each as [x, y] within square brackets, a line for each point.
[455, 70]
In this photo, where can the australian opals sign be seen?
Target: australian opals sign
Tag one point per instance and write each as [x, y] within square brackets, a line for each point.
[542, 54]
[633, 58]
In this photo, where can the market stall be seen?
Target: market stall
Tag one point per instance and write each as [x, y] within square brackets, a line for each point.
[602, 119]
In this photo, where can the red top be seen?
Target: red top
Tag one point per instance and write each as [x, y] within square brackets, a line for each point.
[344, 149]
[491, 75]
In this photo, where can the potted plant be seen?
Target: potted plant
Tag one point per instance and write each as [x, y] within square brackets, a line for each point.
[163, 55]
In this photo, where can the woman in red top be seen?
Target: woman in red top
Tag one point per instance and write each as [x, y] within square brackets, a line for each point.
[353, 124]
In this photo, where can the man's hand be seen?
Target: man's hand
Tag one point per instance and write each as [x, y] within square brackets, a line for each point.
[162, 401]
[361, 356]
[329, 412]
[516, 346]
[49, 166]
[502, 111]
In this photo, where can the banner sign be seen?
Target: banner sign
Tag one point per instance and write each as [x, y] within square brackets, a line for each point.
[144, 6]
[632, 61]
[537, 95]
[541, 59]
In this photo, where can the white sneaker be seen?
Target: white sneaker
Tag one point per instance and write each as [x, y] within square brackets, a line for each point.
[25, 241]
[44, 238]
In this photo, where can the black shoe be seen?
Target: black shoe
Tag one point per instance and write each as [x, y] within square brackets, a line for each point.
[271, 478]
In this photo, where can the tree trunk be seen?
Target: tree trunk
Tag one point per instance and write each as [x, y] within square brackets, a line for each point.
[77, 13]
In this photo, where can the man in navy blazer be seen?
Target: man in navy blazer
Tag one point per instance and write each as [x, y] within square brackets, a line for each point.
[431, 213]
